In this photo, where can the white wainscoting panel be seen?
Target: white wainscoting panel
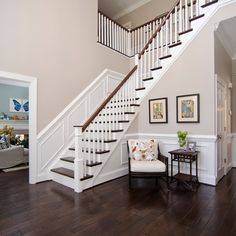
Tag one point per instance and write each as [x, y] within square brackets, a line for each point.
[55, 139]
[206, 145]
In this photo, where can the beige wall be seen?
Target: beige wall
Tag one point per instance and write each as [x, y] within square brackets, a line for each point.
[193, 72]
[223, 62]
[147, 12]
[55, 41]
[234, 96]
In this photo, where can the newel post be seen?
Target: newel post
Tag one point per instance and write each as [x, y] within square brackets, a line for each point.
[79, 160]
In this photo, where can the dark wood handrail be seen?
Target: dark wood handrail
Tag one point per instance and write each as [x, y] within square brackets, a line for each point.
[108, 99]
[113, 21]
[158, 29]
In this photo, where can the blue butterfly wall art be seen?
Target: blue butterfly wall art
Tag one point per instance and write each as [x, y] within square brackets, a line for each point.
[19, 105]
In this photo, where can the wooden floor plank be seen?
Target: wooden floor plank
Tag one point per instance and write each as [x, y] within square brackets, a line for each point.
[112, 209]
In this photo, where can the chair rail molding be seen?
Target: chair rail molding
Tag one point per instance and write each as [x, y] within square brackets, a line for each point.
[55, 139]
[206, 144]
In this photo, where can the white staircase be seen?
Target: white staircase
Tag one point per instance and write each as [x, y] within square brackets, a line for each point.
[98, 137]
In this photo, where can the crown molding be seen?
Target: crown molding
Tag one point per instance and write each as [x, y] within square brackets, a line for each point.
[130, 9]
[225, 42]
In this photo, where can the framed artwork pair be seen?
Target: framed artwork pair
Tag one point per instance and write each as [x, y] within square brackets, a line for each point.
[187, 109]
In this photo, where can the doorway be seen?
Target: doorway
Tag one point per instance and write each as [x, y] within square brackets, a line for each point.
[31, 83]
[221, 110]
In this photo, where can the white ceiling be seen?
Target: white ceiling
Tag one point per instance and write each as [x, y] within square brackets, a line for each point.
[118, 8]
[226, 32]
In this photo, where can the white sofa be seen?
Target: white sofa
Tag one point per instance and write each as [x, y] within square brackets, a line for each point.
[12, 156]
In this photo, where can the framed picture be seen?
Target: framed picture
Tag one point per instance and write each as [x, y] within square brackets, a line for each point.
[188, 108]
[18, 105]
[158, 111]
[191, 146]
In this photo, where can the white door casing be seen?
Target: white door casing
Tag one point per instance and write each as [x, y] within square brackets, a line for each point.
[31, 83]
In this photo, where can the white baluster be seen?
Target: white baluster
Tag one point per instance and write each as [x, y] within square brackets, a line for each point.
[93, 138]
[166, 37]
[191, 8]
[180, 17]
[99, 27]
[186, 15]
[110, 24]
[78, 162]
[176, 24]
[171, 28]
[161, 42]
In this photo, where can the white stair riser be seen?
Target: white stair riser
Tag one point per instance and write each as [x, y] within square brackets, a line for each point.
[64, 180]
[66, 164]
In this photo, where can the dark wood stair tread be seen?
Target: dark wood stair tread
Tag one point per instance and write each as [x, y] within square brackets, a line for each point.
[86, 177]
[91, 151]
[124, 100]
[123, 121]
[64, 171]
[105, 141]
[92, 164]
[186, 31]
[113, 131]
[175, 44]
[165, 57]
[129, 113]
[68, 159]
[196, 17]
[138, 89]
[156, 68]
[147, 79]
[209, 3]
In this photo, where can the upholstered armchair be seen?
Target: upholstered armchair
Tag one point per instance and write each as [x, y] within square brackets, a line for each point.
[146, 161]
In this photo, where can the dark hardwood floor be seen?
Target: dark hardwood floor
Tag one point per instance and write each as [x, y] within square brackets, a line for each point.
[111, 209]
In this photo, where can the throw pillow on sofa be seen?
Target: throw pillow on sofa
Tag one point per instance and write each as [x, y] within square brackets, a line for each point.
[4, 141]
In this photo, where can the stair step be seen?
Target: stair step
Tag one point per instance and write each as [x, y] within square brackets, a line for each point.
[105, 141]
[147, 79]
[129, 113]
[111, 114]
[186, 31]
[91, 151]
[123, 121]
[92, 164]
[175, 44]
[138, 89]
[86, 177]
[196, 17]
[113, 131]
[135, 105]
[64, 171]
[124, 100]
[156, 68]
[165, 57]
[68, 159]
[209, 3]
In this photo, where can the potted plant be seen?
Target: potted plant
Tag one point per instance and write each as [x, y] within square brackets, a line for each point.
[182, 138]
[8, 131]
